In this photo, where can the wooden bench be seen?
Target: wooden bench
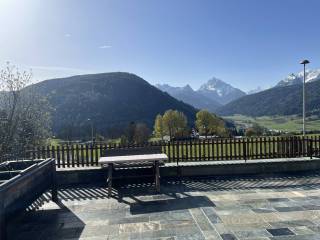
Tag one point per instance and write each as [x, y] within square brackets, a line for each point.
[121, 158]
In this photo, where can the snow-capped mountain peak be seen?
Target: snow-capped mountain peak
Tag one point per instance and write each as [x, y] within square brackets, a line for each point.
[292, 79]
[211, 94]
[220, 91]
[311, 75]
[218, 86]
[188, 95]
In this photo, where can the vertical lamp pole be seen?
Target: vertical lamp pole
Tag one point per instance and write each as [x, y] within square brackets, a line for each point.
[304, 62]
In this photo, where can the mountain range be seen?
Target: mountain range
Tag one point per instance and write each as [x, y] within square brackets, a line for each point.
[211, 95]
[188, 95]
[292, 79]
[256, 90]
[283, 99]
[110, 100]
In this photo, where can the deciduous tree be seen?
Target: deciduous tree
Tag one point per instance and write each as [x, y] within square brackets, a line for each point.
[208, 123]
[24, 118]
[174, 122]
[136, 133]
[158, 127]
[255, 130]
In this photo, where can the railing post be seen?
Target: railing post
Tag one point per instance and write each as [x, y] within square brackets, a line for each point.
[310, 148]
[303, 146]
[295, 147]
[244, 146]
[58, 156]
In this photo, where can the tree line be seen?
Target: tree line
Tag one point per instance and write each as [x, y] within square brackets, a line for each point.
[174, 124]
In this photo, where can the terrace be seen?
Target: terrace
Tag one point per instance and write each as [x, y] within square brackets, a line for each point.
[285, 206]
[219, 189]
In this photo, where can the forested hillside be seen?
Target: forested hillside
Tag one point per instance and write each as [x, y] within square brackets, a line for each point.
[276, 101]
[110, 100]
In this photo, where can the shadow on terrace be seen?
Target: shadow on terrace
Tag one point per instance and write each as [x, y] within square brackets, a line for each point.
[180, 191]
[87, 204]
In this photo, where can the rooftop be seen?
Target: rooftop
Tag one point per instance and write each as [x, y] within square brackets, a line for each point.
[279, 207]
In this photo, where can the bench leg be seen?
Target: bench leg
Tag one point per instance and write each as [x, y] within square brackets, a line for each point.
[54, 194]
[157, 176]
[110, 169]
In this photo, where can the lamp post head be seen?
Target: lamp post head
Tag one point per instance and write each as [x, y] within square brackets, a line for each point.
[304, 62]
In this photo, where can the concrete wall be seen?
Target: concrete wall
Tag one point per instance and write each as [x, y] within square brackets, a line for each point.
[98, 175]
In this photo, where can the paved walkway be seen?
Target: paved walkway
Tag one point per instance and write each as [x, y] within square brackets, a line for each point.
[282, 207]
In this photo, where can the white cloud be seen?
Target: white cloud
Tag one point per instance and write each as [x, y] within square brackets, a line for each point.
[105, 46]
[67, 35]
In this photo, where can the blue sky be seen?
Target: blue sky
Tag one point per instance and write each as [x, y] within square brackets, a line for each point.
[247, 43]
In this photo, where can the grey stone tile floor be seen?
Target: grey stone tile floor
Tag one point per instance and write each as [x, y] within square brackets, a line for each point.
[279, 207]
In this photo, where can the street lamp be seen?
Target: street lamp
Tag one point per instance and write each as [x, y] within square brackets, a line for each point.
[304, 62]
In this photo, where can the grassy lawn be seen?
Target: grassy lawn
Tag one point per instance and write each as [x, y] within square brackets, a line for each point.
[284, 123]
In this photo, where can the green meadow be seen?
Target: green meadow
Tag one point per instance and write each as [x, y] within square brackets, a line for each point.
[291, 123]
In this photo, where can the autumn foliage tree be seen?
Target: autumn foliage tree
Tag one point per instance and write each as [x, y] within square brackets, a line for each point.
[158, 127]
[172, 123]
[208, 123]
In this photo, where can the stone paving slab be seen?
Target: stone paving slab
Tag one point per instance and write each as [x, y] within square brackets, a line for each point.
[243, 208]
